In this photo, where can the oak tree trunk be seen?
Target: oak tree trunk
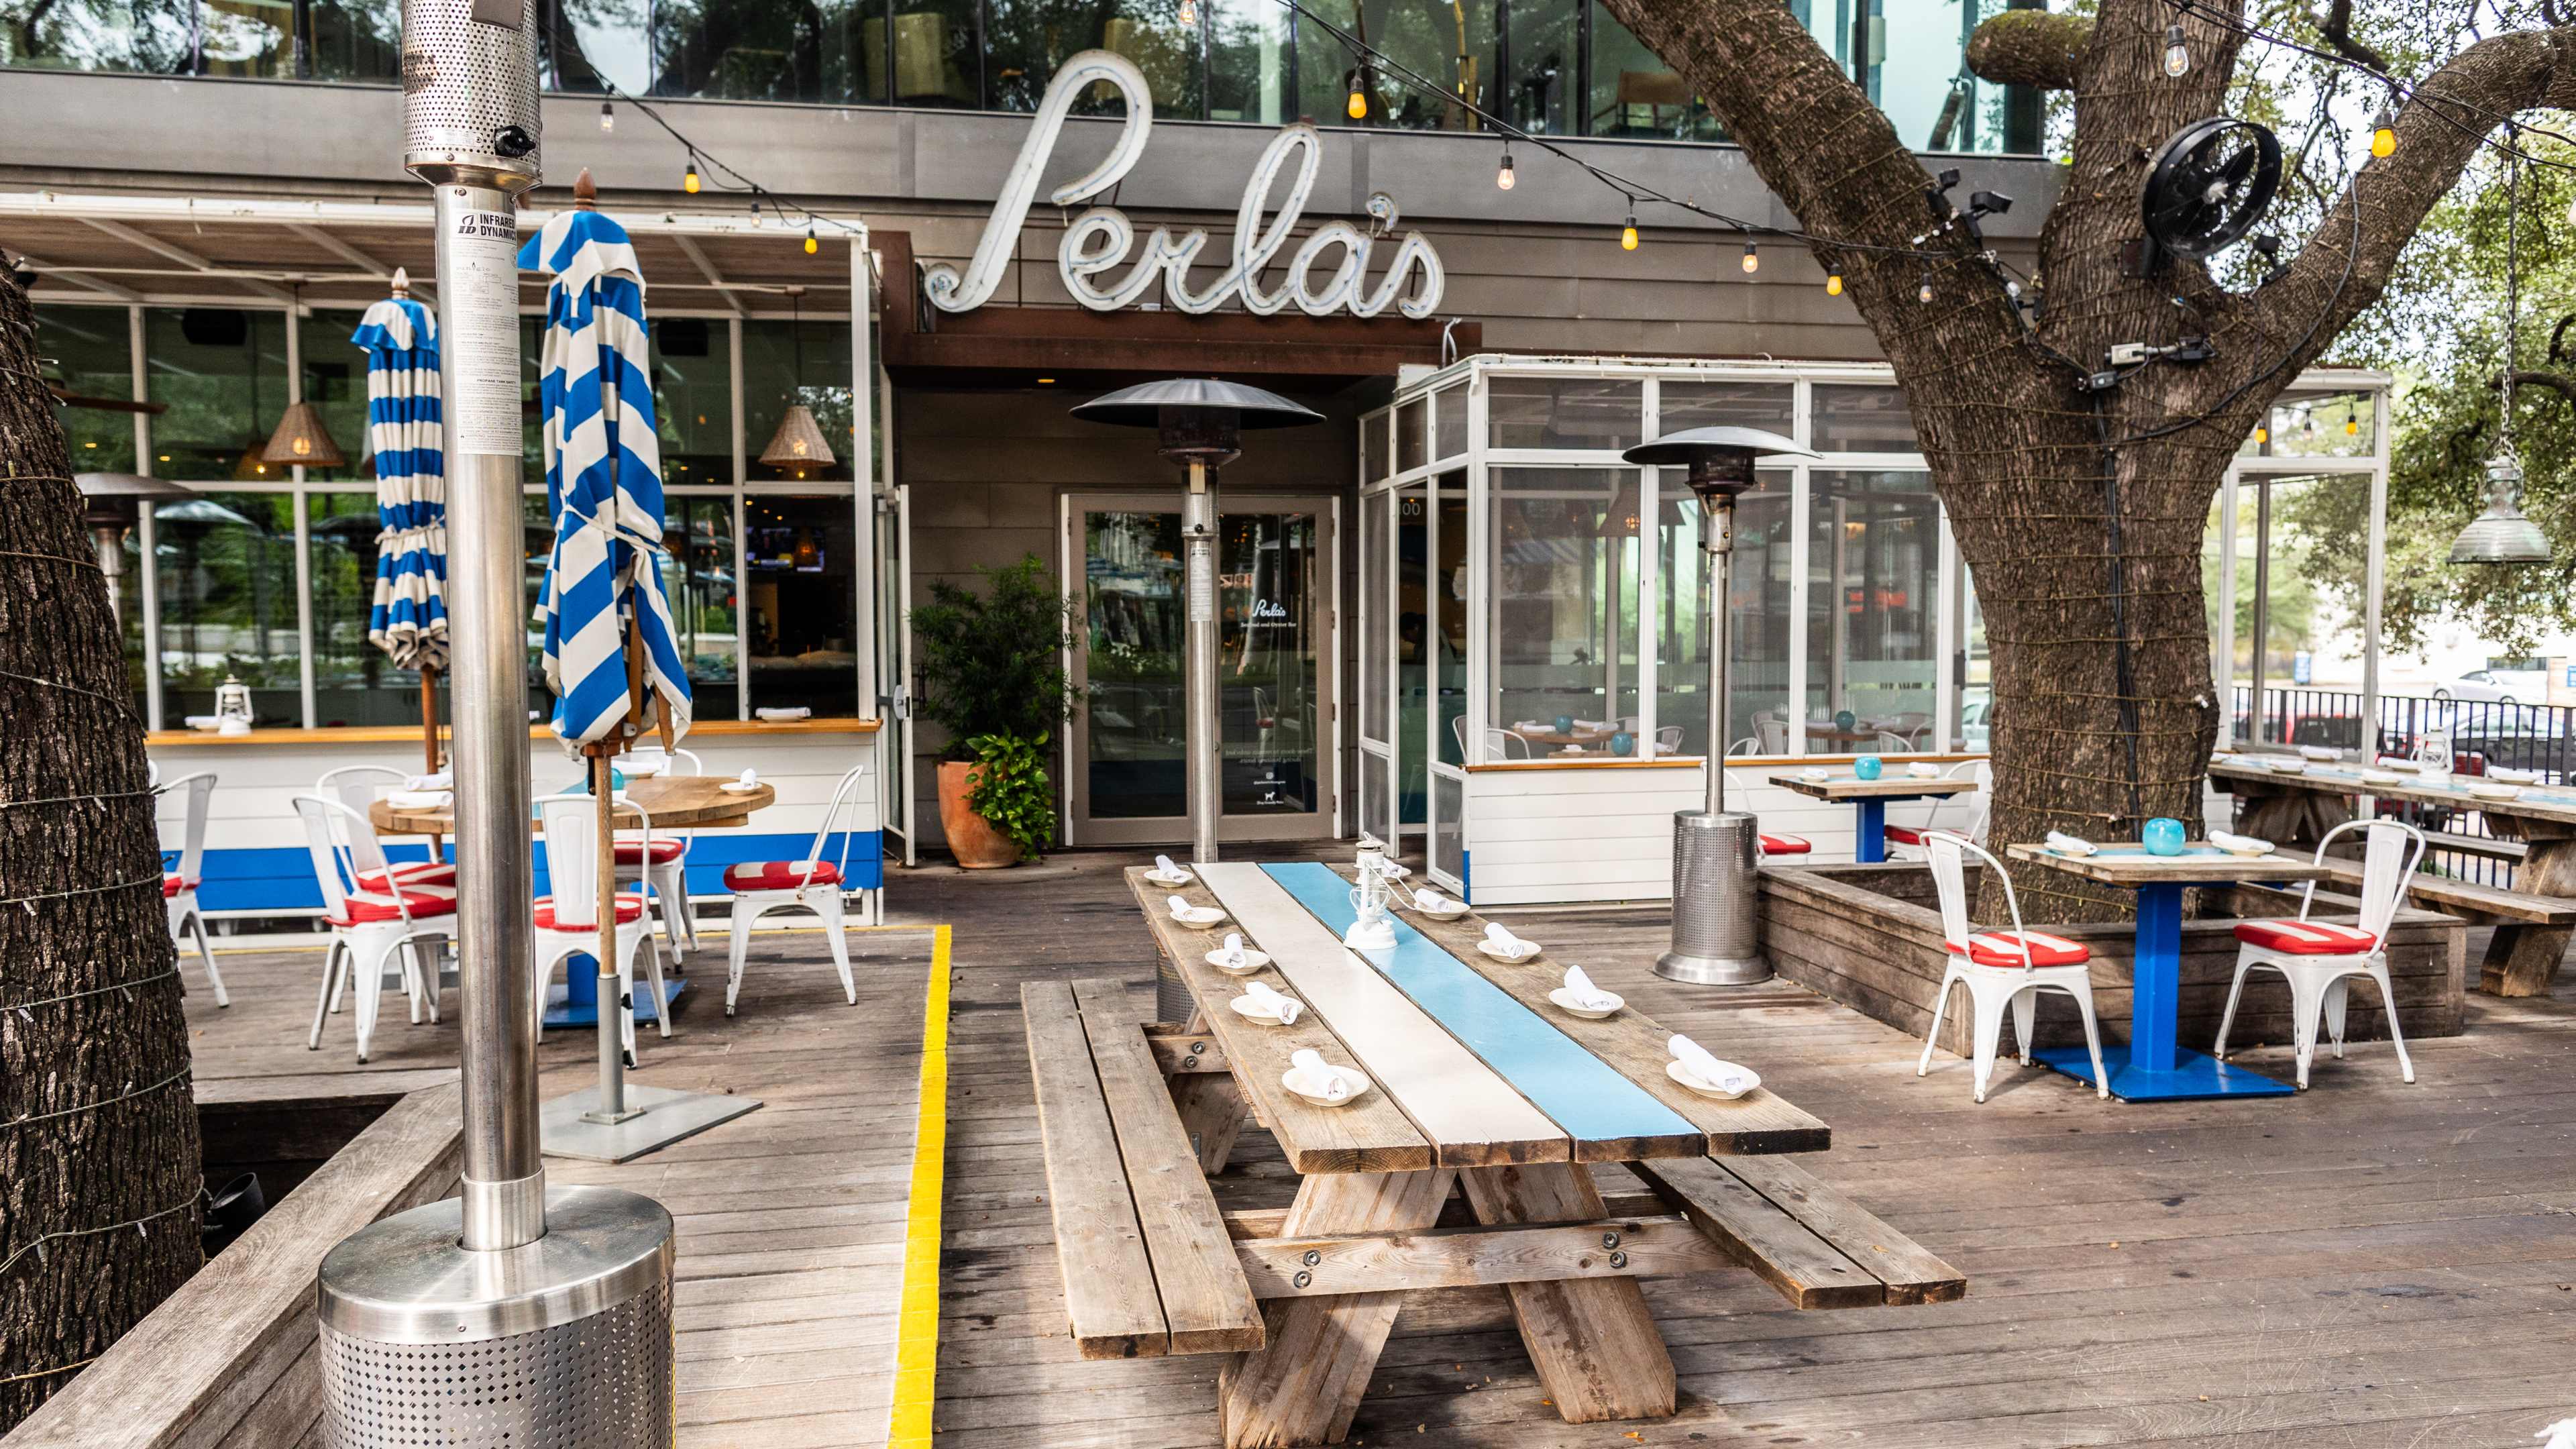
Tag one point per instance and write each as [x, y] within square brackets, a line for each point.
[99, 1161]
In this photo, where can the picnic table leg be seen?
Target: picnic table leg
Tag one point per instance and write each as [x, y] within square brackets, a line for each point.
[1594, 1344]
[1212, 1112]
[1304, 1384]
[2522, 960]
[1871, 849]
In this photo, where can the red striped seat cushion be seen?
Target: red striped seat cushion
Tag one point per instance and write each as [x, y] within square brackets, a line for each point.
[173, 883]
[779, 875]
[364, 907]
[410, 873]
[2001, 948]
[630, 908]
[1904, 835]
[663, 850]
[2306, 938]
[1785, 845]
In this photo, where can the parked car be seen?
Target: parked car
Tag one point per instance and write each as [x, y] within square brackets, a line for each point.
[2516, 739]
[2496, 686]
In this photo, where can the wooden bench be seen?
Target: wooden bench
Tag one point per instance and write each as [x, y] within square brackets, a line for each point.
[2484, 903]
[1800, 1234]
[1148, 1267]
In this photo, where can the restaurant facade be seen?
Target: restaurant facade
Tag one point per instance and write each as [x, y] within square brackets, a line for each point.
[964, 231]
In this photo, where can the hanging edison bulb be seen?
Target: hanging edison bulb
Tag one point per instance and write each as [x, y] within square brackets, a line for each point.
[607, 116]
[1503, 178]
[1833, 284]
[2177, 54]
[1357, 105]
[689, 178]
[811, 246]
[1189, 12]
[2383, 133]
[1923, 293]
[1752, 258]
[1628, 236]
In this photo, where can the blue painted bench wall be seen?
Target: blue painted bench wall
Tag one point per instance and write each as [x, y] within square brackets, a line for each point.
[280, 880]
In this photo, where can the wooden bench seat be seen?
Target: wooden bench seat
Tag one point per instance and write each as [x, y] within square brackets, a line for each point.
[1148, 1267]
[1800, 1234]
[2467, 898]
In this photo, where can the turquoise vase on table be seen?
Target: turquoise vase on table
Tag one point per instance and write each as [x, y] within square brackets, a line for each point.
[1845, 720]
[2163, 836]
[1867, 767]
[1565, 724]
[1623, 743]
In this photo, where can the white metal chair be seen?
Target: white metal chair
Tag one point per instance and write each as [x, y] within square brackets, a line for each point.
[2002, 968]
[1904, 841]
[661, 863]
[1504, 745]
[179, 887]
[375, 931]
[2319, 959]
[1668, 739]
[813, 883]
[357, 787]
[1773, 732]
[1749, 745]
[567, 919]
[1772, 843]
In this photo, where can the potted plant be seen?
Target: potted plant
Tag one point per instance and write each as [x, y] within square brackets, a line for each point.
[993, 676]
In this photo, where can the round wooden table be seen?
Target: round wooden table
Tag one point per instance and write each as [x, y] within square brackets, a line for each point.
[675, 802]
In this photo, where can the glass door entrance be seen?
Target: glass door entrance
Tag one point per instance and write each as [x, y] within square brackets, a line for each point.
[1127, 748]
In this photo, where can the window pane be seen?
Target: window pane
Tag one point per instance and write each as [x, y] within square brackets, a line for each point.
[1135, 714]
[1377, 514]
[1539, 94]
[693, 401]
[1564, 569]
[2305, 423]
[1449, 837]
[1757, 674]
[1270, 633]
[936, 59]
[802, 598]
[1449, 421]
[152, 36]
[228, 604]
[592, 41]
[1449, 44]
[335, 382]
[353, 40]
[1025, 41]
[1449, 615]
[354, 682]
[1410, 421]
[87, 353]
[250, 41]
[1874, 563]
[1634, 93]
[1373, 445]
[1564, 412]
[1247, 61]
[751, 51]
[223, 374]
[539, 533]
[1413, 654]
[697, 573]
[1770, 406]
[784, 362]
[1863, 420]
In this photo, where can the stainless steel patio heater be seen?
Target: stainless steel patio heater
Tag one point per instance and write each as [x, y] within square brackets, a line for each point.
[1716, 918]
[1200, 421]
[512, 1316]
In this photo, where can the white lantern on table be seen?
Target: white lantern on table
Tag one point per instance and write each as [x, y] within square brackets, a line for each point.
[232, 706]
[1373, 930]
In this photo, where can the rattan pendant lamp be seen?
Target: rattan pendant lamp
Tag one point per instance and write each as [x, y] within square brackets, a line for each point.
[798, 444]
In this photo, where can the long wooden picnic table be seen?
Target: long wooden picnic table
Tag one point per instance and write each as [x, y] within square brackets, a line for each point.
[1480, 1083]
[2523, 957]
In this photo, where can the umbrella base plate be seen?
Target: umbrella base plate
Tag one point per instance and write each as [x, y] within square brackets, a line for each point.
[658, 1117]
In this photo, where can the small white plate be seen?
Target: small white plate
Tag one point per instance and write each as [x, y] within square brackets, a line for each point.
[2382, 777]
[1515, 957]
[1252, 961]
[736, 787]
[1180, 878]
[2496, 792]
[420, 799]
[207, 722]
[2246, 852]
[1198, 918]
[1681, 1074]
[1462, 909]
[2513, 777]
[2318, 752]
[1565, 1002]
[1295, 1081]
[643, 767]
[1244, 1007]
[2280, 765]
[2073, 852]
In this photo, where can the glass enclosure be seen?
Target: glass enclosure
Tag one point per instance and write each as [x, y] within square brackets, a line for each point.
[1552, 67]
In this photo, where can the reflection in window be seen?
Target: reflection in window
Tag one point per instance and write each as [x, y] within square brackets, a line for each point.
[1863, 419]
[1377, 517]
[1564, 571]
[800, 600]
[352, 40]
[936, 60]
[1135, 714]
[222, 373]
[758, 50]
[354, 682]
[85, 352]
[1025, 41]
[697, 574]
[1539, 90]
[1872, 605]
[113, 35]
[1247, 61]
[228, 604]
[1757, 671]
[1769, 406]
[1564, 412]
[594, 44]
[1635, 93]
[1452, 44]
[538, 531]
[1415, 650]
[1270, 645]
[335, 383]
[693, 400]
[786, 362]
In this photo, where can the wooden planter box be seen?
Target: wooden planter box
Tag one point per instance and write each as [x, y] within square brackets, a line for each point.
[1869, 936]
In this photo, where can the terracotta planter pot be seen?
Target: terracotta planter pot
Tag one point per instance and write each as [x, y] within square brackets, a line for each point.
[977, 845]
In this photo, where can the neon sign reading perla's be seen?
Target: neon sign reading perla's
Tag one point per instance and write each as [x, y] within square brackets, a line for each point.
[1101, 240]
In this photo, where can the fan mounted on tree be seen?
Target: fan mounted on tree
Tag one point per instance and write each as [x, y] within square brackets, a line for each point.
[2206, 188]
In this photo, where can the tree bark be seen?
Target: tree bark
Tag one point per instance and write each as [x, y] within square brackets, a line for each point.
[99, 1159]
[2029, 48]
[2080, 512]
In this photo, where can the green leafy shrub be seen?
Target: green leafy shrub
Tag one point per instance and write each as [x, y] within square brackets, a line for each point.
[993, 663]
[1010, 789]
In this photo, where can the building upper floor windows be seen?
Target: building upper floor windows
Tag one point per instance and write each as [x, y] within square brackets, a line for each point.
[1550, 67]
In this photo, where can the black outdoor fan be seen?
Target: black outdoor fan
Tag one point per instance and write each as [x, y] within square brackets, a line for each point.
[2207, 188]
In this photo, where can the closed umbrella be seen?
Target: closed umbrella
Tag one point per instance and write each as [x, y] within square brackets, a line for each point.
[408, 619]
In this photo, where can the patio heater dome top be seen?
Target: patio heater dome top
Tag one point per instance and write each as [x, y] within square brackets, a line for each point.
[1143, 405]
[1720, 460]
[129, 485]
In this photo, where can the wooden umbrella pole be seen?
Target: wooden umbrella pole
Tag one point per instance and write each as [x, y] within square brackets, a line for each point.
[429, 742]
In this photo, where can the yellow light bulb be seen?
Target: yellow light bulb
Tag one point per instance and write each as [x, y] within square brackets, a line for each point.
[1358, 105]
[811, 246]
[2383, 134]
[2262, 435]
[2351, 427]
[689, 180]
[1752, 258]
[1834, 285]
[1628, 236]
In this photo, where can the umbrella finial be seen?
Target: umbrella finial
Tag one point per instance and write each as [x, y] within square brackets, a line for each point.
[585, 192]
[402, 282]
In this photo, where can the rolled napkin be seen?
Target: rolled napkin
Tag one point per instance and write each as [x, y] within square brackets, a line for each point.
[2060, 841]
[1504, 941]
[1579, 988]
[1695, 1059]
[2397, 762]
[1815, 772]
[2230, 841]
[2513, 777]
[1164, 867]
[1278, 1004]
[1590, 724]
[2318, 752]
[1179, 906]
[443, 780]
[1433, 901]
[1391, 870]
[749, 777]
[1923, 771]
[1325, 1079]
[777, 714]
[1233, 948]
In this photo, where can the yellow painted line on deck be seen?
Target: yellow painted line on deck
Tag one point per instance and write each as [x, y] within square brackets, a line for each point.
[916, 1362]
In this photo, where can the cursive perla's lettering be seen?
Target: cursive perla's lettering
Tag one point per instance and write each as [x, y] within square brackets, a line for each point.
[1101, 240]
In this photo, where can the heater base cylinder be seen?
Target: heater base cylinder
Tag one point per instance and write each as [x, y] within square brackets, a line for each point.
[1716, 906]
[562, 1343]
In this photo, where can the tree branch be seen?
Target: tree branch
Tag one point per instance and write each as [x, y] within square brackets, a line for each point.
[2557, 382]
[2029, 48]
[2336, 26]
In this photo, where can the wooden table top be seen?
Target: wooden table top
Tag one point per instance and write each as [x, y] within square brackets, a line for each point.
[1470, 1064]
[675, 802]
[2127, 863]
[1571, 737]
[1895, 786]
[2537, 802]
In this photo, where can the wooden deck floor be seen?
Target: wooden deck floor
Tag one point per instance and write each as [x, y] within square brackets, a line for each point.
[2367, 1266]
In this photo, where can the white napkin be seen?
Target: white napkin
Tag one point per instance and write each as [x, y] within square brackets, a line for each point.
[2071, 844]
[1921, 771]
[1179, 906]
[1164, 867]
[1815, 772]
[1590, 724]
[750, 777]
[1278, 1004]
[1579, 987]
[1430, 900]
[2229, 840]
[1392, 871]
[1322, 1078]
[2513, 777]
[1695, 1059]
[443, 780]
[2317, 752]
[1233, 947]
[1504, 941]
[775, 714]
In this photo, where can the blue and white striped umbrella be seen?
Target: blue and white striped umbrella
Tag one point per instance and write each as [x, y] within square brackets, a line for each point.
[603, 483]
[409, 617]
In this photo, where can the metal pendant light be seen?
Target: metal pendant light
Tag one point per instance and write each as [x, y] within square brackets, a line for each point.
[2502, 534]
[799, 441]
